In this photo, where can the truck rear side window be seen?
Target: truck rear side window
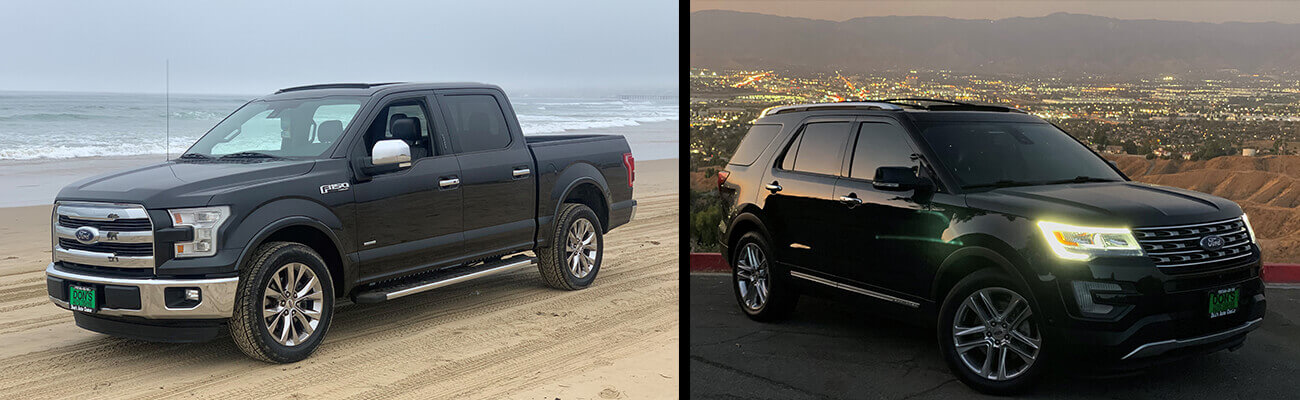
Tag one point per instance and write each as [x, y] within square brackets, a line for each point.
[819, 149]
[476, 122]
[753, 144]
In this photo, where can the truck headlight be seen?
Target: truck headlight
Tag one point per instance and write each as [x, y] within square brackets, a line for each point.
[1083, 243]
[204, 221]
[1248, 228]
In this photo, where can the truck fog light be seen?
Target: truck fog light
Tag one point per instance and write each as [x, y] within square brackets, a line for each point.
[1083, 296]
[192, 294]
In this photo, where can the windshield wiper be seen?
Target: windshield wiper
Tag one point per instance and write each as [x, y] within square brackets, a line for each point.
[247, 154]
[1080, 179]
[1001, 184]
[195, 156]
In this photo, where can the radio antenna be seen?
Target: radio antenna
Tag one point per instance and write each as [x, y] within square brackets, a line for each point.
[168, 96]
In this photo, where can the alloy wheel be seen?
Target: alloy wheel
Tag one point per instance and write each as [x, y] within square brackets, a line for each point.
[580, 249]
[994, 334]
[292, 304]
[752, 276]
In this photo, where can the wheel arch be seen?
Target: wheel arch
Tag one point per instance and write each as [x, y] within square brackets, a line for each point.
[748, 219]
[967, 260]
[312, 230]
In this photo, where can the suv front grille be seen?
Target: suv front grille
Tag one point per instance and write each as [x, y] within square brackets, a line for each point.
[1180, 246]
[128, 224]
[121, 249]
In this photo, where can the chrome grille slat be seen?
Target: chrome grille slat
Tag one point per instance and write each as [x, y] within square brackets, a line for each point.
[125, 235]
[1179, 245]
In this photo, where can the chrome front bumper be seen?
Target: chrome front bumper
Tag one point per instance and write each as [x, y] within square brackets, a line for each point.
[218, 295]
[1161, 347]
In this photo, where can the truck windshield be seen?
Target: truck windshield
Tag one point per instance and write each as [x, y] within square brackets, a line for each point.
[1002, 154]
[302, 128]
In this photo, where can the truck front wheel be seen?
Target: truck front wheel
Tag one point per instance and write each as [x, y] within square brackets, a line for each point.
[284, 303]
[572, 258]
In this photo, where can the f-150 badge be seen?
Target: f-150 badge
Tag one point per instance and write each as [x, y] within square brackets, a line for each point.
[335, 187]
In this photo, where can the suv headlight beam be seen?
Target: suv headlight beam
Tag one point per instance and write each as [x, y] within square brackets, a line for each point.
[1073, 242]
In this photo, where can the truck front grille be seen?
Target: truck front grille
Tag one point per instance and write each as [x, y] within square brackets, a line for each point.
[1181, 246]
[108, 235]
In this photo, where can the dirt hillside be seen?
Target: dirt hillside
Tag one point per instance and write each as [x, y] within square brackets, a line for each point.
[1267, 187]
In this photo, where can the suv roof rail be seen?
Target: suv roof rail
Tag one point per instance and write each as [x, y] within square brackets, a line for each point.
[843, 105]
[335, 86]
[949, 105]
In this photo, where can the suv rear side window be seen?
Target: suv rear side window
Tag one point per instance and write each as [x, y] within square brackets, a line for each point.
[879, 145]
[819, 149]
[476, 122]
[754, 143]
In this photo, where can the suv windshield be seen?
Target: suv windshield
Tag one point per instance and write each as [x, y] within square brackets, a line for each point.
[999, 154]
[302, 128]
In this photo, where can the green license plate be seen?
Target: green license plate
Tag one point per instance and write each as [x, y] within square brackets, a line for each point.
[1223, 302]
[81, 298]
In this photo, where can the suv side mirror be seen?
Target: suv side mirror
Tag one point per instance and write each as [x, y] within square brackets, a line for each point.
[900, 179]
[387, 156]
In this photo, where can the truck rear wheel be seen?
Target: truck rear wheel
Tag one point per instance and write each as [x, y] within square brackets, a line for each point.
[572, 258]
[284, 303]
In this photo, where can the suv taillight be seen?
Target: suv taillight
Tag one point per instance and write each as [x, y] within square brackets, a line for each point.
[722, 178]
[630, 164]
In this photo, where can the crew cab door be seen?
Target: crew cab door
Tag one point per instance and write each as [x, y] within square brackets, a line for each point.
[408, 219]
[884, 236]
[498, 178]
[796, 193]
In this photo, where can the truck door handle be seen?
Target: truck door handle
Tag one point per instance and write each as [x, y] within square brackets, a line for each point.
[522, 172]
[850, 200]
[446, 183]
[773, 187]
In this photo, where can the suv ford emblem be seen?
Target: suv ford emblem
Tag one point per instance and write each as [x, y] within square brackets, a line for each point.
[87, 234]
[1212, 242]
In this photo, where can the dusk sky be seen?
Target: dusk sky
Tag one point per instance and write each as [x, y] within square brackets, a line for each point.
[1197, 11]
[247, 47]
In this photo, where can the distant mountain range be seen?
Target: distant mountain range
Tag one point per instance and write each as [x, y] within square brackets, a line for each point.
[1056, 44]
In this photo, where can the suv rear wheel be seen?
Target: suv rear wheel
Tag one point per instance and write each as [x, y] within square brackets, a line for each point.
[763, 292]
[989, 334]
[284, 303]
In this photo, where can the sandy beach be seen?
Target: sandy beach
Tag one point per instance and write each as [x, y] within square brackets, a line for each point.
[502, 337]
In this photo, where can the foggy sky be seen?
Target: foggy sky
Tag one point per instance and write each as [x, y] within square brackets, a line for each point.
[1196, 11]
[243, 47]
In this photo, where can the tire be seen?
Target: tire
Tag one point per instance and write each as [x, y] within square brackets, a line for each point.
[572, 267]
[270, 266]
[1012, 337]
[764, 293]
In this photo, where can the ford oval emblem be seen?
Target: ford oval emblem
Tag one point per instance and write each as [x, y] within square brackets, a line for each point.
[1212, 242]
[87, 234]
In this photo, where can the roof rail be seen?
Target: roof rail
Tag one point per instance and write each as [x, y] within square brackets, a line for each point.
[949, 105]
[335, 86]
[843, 105]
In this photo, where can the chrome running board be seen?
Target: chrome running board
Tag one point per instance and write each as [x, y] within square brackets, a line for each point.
[445, 277]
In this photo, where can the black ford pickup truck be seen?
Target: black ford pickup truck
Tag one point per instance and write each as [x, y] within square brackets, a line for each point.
[1018, 242]
[317, 193]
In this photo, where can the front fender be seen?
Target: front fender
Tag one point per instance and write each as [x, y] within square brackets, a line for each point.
[273, 216]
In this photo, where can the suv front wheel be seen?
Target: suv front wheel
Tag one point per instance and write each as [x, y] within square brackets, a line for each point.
[989, 334]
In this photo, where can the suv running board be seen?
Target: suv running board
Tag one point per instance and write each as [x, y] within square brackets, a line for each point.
[436, 279]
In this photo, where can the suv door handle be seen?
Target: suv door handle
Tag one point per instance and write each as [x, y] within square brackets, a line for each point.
[449, 182]
[522, 172]
[773, 187]
[850, 200]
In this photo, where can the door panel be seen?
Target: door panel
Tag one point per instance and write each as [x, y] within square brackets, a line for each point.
[407, 221]
[796, 197]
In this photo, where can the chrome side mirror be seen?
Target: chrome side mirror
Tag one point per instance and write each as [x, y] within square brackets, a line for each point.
[391, 151]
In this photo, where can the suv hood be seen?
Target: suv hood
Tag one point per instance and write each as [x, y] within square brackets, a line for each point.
[1130, 204]
[179, 183]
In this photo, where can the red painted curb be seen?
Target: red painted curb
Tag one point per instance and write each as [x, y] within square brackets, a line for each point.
[1272, 273]
[708, 262]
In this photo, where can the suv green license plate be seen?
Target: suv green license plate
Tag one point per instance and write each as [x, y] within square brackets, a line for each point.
[81, 298]
[1223, 302]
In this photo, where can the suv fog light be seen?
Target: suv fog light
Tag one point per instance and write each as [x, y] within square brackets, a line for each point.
[1083, 296]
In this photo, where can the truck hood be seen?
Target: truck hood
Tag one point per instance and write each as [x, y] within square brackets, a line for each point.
[174, 184]
[1107, 204]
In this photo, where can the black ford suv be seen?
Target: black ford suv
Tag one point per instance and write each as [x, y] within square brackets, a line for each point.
[1019, 242]
[317, 193]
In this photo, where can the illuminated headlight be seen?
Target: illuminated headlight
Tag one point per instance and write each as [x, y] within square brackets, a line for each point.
[1248, 228]
[204, 221]
[1083, 243]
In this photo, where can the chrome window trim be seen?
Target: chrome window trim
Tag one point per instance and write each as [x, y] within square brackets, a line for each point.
[854, 289]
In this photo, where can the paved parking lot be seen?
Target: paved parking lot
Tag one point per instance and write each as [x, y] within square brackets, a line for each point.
[832, 350]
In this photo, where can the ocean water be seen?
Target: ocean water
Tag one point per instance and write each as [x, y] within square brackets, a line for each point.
[65, 125]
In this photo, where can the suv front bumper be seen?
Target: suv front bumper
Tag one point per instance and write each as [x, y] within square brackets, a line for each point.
[145, 297]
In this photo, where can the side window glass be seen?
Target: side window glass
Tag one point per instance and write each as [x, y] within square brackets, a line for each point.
[821, 148]
[787, 159]
[381, 127]
[879, 145]
[476, 122]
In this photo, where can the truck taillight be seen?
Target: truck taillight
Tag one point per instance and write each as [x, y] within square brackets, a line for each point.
[630, 164]
[722, 178]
